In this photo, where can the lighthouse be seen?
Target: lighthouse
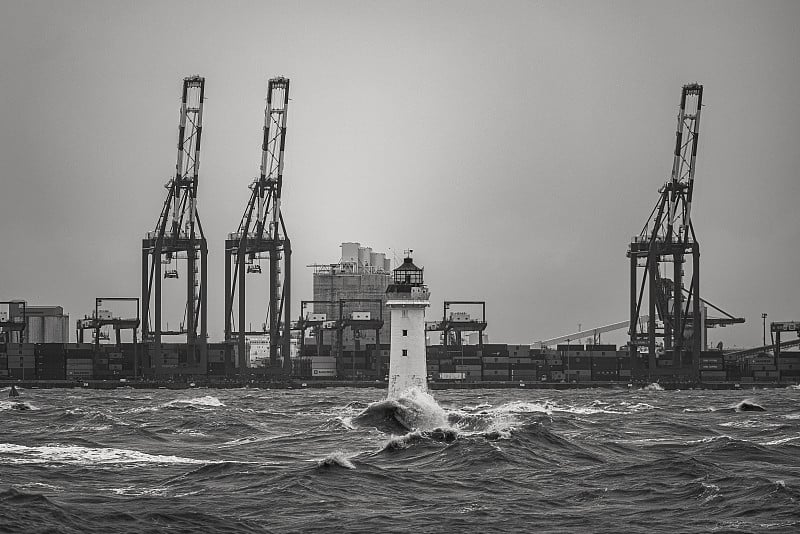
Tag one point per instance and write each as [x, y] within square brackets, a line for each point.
[407, 297]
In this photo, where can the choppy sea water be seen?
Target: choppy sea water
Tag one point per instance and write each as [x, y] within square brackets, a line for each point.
[253, 460]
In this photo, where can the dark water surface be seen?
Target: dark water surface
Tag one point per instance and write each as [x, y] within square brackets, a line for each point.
[252, 460]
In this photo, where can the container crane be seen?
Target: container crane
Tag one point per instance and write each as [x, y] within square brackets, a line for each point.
[675, 312]
[668, 237]
[262, 235]
[178, 235]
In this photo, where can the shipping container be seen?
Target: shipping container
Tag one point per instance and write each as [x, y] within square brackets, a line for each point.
[579, 362]
[604, 363]
[602, 348]
[765, 374]
[452, 376]
[605, 374]
[713, 375]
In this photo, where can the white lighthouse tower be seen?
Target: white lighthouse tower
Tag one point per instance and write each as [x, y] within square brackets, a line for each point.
[407, 298]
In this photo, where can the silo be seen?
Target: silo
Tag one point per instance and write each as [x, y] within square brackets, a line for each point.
[376, 259]
[387, 265]
[363, 256]
[350, 252]
[34, 329]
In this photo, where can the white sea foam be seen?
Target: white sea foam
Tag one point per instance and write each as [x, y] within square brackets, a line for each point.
[782, 440]
[483, 406]
[160, 491]
[336, 458]
[710, 492]
[208, 400]
[420, 411]
[524, 407]
[11, 453]
[17, 405]
[190, 432]
[743, 423]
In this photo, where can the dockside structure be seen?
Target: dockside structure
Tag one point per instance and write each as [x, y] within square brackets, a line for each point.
[497, 362]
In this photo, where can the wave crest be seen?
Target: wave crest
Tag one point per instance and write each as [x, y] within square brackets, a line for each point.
[208, 401]
[11, 453]
[336, 459]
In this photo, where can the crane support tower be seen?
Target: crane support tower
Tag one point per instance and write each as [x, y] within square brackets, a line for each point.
[179, 236]
[262, 235]
[668, 238]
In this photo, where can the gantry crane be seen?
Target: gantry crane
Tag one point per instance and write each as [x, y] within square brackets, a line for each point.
[262, 235]
[179, 236]
[667, 238]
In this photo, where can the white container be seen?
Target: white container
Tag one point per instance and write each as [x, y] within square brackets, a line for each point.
[323, 372]
[360, 316]
[451, 376]
[316, 317]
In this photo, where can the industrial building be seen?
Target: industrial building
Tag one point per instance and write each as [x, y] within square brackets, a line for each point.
[496, 363]
[355, 285]
[33, 324]
[345, 328]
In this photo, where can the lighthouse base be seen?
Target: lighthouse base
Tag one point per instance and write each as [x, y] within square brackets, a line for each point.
[403, 379]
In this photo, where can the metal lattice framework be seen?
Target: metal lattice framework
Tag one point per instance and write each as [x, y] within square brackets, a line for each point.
[179, 236]
[667, 237]
[262, 235]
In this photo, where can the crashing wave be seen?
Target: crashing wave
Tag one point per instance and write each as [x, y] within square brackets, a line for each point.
[749, 406]
[336, 459]
[413, 410]
[441, 435]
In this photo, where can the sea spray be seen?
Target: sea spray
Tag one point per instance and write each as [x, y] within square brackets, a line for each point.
[413, 410]
[336, 459]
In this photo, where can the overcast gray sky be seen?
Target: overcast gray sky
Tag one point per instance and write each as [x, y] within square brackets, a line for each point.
[515, 146]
